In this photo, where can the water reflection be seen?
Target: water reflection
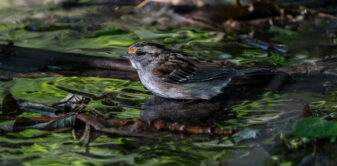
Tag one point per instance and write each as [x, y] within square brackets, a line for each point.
[179, 110]
[190, 111]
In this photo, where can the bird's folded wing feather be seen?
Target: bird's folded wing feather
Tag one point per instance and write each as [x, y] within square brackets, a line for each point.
[178, 69]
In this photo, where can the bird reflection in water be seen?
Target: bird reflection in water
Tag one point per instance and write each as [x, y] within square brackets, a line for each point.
[216, 109]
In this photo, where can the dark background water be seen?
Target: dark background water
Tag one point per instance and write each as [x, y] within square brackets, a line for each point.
[303, 37]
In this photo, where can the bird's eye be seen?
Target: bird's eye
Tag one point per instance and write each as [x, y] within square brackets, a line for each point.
[140, 53]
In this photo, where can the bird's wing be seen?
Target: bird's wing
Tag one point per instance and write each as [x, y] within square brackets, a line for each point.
[178, 68]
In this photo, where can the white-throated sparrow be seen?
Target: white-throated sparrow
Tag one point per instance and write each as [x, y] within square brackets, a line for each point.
[174, 74]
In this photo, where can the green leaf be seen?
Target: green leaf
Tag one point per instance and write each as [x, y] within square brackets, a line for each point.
[315, 127]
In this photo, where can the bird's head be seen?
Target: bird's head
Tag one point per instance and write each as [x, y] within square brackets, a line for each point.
[142, 53]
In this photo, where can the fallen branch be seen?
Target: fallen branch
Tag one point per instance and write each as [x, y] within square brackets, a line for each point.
[31, 62]
[135, 127]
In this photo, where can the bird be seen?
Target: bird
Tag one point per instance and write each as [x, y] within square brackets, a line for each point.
[175, 74]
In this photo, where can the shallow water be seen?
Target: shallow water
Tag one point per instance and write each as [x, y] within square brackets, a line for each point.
[262, 122]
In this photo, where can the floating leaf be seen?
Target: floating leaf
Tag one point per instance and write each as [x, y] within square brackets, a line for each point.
[10, 105]
[315, 127]
[63, 122]
[245, 134]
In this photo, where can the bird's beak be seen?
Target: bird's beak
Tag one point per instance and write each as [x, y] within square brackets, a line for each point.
[125, 55]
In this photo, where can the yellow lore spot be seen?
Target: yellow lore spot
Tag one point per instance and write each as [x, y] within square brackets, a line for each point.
[132, 50]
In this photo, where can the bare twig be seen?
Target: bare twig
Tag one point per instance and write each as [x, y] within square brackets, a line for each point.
[84, 140]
